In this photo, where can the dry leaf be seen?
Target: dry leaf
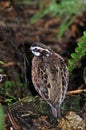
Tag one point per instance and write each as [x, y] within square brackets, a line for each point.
[72, 121]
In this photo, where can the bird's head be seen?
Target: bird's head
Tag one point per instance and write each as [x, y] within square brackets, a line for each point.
[40, 50]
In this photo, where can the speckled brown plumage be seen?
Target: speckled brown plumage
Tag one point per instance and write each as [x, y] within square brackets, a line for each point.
[49, 76]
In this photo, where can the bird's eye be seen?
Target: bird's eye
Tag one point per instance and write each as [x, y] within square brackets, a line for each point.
[35, 49]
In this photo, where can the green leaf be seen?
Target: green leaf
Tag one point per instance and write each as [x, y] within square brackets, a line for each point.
[26, 1]
[84, 49]
[84, 33]
[81, 44]
[83, 38]
[70, 68]
[82, 53]
[8, 84]
[53, 7]
[8, 101]
[1, 118]
[1, 70]
[74, 55]
[1, 62]
[71, 61]
[36, 17]
[77, 49]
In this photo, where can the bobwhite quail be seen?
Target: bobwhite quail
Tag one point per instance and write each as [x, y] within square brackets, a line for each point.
[49, 76]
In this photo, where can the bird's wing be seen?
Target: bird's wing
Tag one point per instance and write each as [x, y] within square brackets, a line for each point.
[54, 81]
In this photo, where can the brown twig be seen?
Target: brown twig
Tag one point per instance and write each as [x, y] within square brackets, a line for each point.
[76, 92]
[15, 126]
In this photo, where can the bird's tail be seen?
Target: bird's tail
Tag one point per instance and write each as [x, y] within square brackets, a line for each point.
[56, 112]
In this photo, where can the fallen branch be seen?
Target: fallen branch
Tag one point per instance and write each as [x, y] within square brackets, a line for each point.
[76, 91]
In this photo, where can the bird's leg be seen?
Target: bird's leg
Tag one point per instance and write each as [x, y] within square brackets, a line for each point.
[56, 111]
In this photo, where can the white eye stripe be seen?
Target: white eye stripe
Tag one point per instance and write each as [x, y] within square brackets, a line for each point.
[36, 53]
[39, 48]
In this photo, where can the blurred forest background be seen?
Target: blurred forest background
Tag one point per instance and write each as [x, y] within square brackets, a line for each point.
[59, 24]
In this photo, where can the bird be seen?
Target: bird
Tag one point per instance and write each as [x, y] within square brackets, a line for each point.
[49, 76]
